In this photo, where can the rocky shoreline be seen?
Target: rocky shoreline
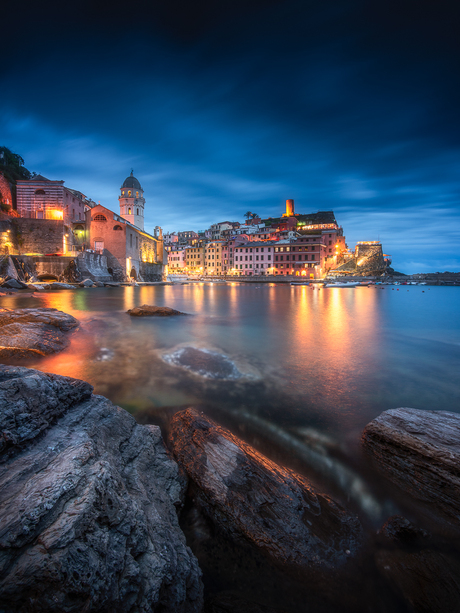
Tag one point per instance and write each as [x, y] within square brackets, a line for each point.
[99, 513]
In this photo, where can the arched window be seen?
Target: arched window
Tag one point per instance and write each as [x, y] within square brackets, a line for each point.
[117, 228]
[129, 193]
[123, 193]
[40, 192]
[137, 194]
[129, 211]
[100, 218]
[137, 211]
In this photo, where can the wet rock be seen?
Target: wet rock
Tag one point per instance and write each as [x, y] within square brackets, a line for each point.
[204, 362]
[98, 283]
[419, 451]
[26, 333]
[88, 506]
[248, 496]
[58, 285]
[400, 530]
[146, 311]
[14, 284]
[86, 283]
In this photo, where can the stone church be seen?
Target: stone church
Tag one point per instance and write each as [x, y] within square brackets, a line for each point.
[122, 238]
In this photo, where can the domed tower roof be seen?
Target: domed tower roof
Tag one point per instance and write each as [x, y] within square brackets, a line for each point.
[132, 182]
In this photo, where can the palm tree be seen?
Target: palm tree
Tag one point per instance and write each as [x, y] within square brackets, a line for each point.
[254, 215]
[248, 214]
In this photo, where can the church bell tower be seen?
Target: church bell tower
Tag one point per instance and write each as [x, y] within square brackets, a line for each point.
[132, 201]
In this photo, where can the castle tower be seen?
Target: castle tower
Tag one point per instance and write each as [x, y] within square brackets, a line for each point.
[289, 208]
[132, 201]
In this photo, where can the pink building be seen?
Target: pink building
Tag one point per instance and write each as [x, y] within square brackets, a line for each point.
[176, 259]
[40, 198]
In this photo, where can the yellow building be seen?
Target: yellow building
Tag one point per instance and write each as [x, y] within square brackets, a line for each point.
[194, 259]
[213, 258]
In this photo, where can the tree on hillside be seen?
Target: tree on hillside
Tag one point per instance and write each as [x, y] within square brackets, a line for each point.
[13, 169]
[12, 166]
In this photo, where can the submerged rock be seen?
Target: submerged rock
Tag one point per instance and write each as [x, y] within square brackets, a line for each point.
[146, 311]
[204, 362]
[88, 505]
[419, 451]
[58, 285]
[86, 283]
[247, 495]
[26, 333]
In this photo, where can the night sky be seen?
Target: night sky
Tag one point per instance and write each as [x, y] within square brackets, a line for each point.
[221, 107]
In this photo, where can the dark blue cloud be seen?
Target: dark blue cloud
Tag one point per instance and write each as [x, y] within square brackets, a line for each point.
[225, 107]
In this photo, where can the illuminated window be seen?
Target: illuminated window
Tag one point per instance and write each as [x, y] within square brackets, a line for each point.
[137, 196]
[129, 193]
[123, 193]
[100, 218]
[129, 211]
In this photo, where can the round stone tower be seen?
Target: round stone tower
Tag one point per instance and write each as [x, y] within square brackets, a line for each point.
[132, 201]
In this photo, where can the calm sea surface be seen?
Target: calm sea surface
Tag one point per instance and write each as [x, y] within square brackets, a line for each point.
[297, 372]
[312, 365]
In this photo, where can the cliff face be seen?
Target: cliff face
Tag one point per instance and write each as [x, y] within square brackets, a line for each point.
[88, 505]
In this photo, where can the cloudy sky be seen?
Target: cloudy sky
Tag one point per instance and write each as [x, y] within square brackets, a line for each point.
[225, 106]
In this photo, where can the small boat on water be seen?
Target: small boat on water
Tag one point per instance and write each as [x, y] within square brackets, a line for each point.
[344, 284]
[300, 283]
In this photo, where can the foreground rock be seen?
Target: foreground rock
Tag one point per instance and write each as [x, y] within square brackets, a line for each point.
[88, 513]
[419, 451]
[26, 333]
[428, 580]
[145, 311]
[249, 496]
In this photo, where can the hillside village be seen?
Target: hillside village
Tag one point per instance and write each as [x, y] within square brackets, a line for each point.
[59, 233]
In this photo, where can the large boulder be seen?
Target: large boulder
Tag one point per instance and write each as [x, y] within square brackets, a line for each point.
[88, 516]
[247, 495]
[26, 333]
[147, 311]
[14, 284]
[419, 451]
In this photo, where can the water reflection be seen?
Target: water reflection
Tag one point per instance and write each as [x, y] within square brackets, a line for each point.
[329, 360]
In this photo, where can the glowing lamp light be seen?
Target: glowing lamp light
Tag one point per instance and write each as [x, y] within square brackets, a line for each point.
[56, 214]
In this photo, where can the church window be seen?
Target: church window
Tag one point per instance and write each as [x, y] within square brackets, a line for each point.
[137, 241]
[130, 240]
[137, 196]
[137, 211]
[117, 228]
[123, 193]
[129, 193]
[100, 218]
[129, 211]
[40, 192]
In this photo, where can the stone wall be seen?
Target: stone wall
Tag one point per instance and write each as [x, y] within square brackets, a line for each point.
[39, 235]
[93, 266]
[151, 272]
